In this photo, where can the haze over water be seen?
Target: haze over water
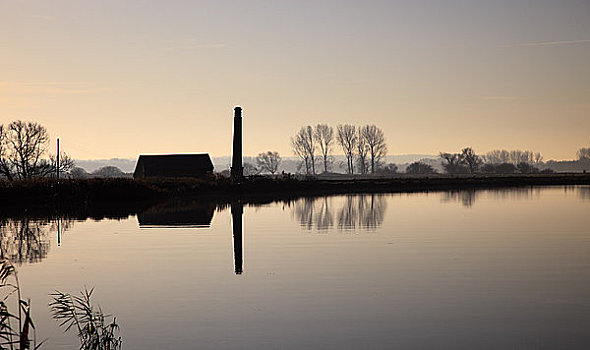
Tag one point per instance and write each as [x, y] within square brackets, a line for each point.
[485, 269]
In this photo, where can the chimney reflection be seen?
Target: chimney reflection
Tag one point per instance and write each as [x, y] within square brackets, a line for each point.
[237, 209]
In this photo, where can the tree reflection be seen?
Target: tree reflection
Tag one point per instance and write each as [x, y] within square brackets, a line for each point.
[468, 197]
[314, 213]
[584, 193]
[358, 211]
[465, 197]
[26, 240]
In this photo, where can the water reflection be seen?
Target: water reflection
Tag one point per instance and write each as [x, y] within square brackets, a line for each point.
[584, 193]
[468, 197]
[178, 214]
[26, 240]
[348, 212]
[237, 209]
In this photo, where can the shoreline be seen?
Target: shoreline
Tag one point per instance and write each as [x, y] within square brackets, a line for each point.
[123, 197]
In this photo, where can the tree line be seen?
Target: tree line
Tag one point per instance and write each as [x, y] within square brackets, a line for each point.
[23, 151]
[363, 146]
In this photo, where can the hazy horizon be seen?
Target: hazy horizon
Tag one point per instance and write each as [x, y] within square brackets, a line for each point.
[117, 79]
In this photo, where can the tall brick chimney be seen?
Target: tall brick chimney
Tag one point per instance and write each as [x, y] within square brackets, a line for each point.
[237, 170]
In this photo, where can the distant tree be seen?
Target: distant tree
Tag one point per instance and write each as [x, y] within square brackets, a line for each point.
[538, 158]
[388, 169]
[470, 159]
[108, 171]
[488, 168]
[526, 168]
[583, 153]
[375, 139]
[298, 147]
[518, 156]
[250, 169]
[268, 161]
[79, 173]
[419, 168]
[497, 156]
[362, 149]
[347, 138]
[324, 137]
[66, 164]
[453, 163]
[505, 168]
[303, 145]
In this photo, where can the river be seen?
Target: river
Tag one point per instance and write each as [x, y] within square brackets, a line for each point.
[486, 269]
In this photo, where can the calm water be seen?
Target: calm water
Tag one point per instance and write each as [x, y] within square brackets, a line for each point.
[487, 269]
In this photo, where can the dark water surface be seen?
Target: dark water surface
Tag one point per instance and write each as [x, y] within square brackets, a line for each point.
[472, 270]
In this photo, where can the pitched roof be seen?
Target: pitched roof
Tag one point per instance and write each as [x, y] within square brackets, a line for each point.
[173, 165]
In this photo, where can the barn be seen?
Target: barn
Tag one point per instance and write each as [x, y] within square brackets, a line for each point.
[173, 165]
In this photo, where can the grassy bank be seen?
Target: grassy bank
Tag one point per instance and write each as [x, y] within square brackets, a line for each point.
[112, 193]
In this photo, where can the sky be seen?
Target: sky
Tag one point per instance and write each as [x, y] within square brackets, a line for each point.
[115, 79]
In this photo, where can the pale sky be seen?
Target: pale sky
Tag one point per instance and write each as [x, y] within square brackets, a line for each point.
[120, 78]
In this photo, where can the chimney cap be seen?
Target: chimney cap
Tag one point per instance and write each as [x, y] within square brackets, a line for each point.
[237, 108]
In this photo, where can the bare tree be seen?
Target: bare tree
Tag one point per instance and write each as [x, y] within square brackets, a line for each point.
[66, 164]
[6, 167]
[27, 142]
[347, 138]
[250, 169]
[375, 140]
[324, 136]
[298, 146]
[497, 156]
[583, 153]
[362, 149]
[268, 161]
[470, 159]
[303, 145]
[22, 147]
[538, 158]
[518, 156]
[454, 163]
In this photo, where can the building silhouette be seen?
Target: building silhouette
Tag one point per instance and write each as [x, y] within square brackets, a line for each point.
[173, 165]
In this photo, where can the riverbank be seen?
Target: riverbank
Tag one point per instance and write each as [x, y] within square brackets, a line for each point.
[68, 195]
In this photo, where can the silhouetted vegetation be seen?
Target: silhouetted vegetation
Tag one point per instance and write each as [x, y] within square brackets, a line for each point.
[114, 196]
[583, 153]
[324, 136]
[364, 146]
[268, 162]
[453, 163]
[387, 169]
[419, 168]
[347, 138]
[526, 168]
[375, 139]
[515, 157]
[108, 171]
[95, 330]
[303, 145]
[503, 168]
[17, 330]
[22, 148]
